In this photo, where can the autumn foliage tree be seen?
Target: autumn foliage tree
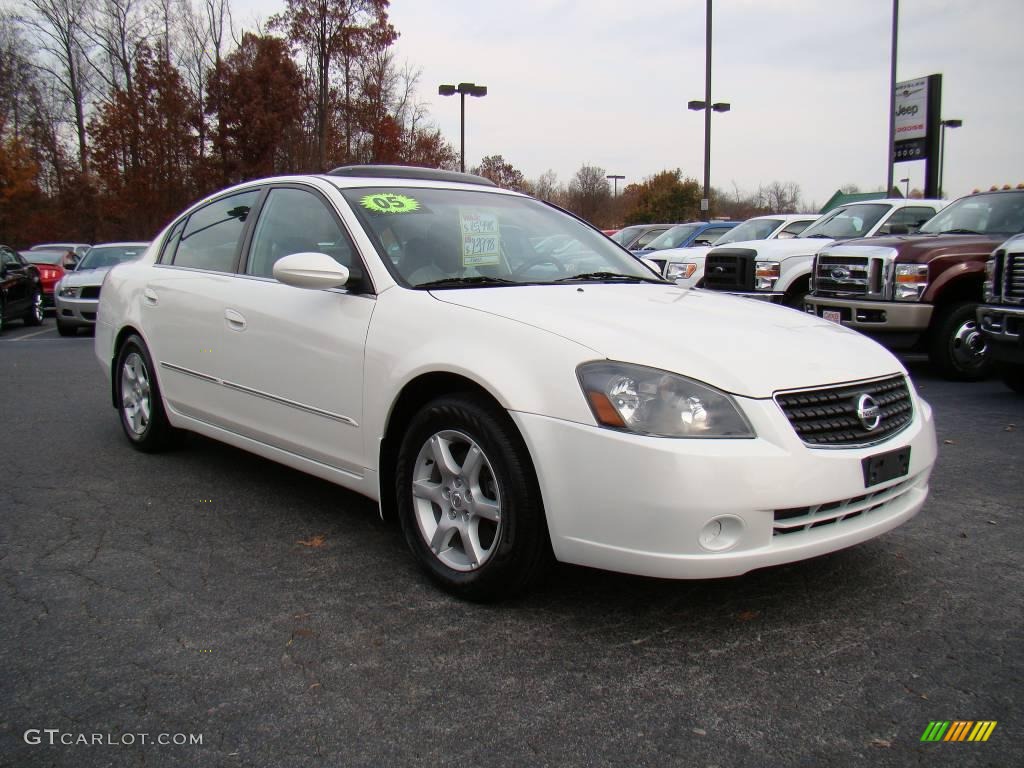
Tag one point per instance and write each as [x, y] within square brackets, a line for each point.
[145, 150]
[501, 172]
[259, 90]
[663, 197]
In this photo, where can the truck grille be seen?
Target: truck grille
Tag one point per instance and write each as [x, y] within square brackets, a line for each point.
[730, 269]
[841, 275]
[828, 417]
[1013, 277]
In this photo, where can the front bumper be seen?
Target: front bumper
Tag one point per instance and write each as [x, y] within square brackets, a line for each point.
[887, 316]
[1004, 330]
[643, 505]
[77, 312]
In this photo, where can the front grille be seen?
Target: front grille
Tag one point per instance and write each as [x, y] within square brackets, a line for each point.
[841, 276]
[800, 519]
[90, 292]
[827, 417]
[1013, 277]
[730, 269]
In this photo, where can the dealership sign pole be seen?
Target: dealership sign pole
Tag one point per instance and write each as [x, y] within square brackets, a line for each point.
[917, 110]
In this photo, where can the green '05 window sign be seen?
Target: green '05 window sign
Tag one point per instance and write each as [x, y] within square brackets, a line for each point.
[389, 203]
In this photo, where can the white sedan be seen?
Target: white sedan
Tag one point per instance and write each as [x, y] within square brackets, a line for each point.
[395, 331]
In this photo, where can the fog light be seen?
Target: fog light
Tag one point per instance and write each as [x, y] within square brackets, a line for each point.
[720, 533]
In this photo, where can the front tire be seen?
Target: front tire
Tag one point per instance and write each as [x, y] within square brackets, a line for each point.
[139, 403]
[956, 346]
[64, 329]
[1014, 379]
[469, 502]
[34, 315]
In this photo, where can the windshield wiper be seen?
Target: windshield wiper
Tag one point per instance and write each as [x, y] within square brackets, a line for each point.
[460, 281]
[608, 276]
[960, 232]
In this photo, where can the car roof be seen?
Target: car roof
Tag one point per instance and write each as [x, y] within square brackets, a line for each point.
[906, 201]
[123, 244]
[54, 246]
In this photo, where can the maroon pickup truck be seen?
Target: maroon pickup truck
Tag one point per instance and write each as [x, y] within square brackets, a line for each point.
[921, 291]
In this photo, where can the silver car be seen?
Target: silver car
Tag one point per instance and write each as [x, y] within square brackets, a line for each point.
[77, 295]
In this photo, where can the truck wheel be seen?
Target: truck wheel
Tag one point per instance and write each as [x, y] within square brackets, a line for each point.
[468, 500]
[956, 345]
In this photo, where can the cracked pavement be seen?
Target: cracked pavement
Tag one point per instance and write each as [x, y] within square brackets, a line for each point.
[171, 593]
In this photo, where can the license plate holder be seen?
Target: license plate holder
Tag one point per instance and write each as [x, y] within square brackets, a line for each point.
[886, 466]
[832, 315]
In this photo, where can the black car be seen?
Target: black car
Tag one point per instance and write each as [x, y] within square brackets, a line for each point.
[21, 292]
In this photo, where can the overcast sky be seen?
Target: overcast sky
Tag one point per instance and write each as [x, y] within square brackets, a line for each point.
[605, 82]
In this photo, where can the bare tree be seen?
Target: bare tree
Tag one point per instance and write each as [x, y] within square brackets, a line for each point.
[779, 197]
[546, 187]
[117, 29]
[59, 27]
[590, 193]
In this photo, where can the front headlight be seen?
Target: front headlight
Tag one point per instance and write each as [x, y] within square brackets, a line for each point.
[648, 401]
[680, 271]
[989, 286]
[911, 280]
[766, 274]
[71, 292]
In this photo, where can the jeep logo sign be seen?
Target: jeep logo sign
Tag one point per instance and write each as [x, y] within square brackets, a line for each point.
[911, 106]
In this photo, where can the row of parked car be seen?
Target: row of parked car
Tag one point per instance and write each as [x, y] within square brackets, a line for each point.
[63, 278]
[909, 273]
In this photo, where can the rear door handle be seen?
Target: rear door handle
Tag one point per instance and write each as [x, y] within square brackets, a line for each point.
[150, 296]
[235, 320]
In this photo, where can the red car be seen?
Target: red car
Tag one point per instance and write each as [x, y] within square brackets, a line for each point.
[51, 266]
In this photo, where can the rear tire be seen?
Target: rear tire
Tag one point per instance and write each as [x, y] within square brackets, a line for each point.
[139, 403]
[469, 502]
[35, 313]
[956, 346]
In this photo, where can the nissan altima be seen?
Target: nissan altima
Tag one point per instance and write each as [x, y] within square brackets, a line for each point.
[397, 332]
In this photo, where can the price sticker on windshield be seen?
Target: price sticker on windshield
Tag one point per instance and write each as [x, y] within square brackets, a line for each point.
[481, 238]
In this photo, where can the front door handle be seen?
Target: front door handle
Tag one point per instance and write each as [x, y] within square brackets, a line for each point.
[235, 320]
[150, 296]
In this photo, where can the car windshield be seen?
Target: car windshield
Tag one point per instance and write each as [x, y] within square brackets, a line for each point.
[456, 238]
[44, 257]
[104, 256]
[752, 229]
[623, 236]
[674, 238]
[999, 213]
[848, 221]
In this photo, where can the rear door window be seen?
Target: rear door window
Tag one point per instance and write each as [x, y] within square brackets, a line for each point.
[212, 234]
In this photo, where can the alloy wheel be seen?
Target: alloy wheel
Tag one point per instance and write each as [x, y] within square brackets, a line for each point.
[136, 397]
[456, 502]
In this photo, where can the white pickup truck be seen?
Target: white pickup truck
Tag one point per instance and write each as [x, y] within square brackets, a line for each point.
[686, 265]
[780, 270]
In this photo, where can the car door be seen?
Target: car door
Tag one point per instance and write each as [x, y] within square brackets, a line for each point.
[16, 282]
[292, 357]
[182, 305]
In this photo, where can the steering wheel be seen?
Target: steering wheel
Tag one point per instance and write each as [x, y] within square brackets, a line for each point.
[529, 264]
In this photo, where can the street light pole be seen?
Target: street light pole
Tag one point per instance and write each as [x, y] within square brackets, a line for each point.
[892, 96]
[463, 89]
[906, 195]
[708, 107]
[942, 147]
[615, 180]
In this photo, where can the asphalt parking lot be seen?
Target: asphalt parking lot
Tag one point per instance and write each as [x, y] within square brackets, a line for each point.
[207, 591]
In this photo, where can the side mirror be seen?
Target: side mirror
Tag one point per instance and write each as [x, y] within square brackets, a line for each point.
[701, 241]
[310, 270]
[899, 229]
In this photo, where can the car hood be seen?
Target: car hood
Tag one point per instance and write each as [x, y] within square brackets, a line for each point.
[742, 346]
[695, 253]
[922, 248]
[85, 277]
[783, 249]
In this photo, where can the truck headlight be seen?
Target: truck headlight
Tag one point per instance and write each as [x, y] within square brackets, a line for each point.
[766, 274]
[989, 286]
[648, 401]
[911, 280]
[680, 271]
[70, 292]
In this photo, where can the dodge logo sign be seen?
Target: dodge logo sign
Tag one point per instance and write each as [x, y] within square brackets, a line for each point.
[868, 412]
